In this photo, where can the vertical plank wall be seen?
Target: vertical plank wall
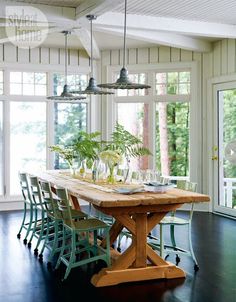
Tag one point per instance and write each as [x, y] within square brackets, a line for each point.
[42, 56]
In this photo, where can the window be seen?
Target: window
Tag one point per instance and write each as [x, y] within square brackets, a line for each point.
[134, 78]
[28, 83]
[27, 139]
[75, 81]
[173, 83]
[137, 124]
[70, 118]
[1, 82]
[172, 138]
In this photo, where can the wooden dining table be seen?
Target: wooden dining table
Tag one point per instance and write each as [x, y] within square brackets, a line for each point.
[139, 213]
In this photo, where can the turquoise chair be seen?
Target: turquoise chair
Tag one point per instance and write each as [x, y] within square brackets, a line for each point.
[54, 225]
[40, 224]
[175, 222]
[28, 214]
[80, 244]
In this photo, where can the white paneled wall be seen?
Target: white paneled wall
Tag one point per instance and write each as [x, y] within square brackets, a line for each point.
[42, 55]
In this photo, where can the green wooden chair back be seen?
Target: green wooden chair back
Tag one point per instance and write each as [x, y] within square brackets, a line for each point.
[36, 191]
[25, 187]
[64, 204]
[191, 186]
[49, 199]
[181, 184]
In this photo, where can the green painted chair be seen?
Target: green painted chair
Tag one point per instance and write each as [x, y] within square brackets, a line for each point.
[175, 222]
[82, 245]
[28, 214]
[54, 225]
[40, 224]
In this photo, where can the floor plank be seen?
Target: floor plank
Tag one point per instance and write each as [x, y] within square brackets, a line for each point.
[24, 279]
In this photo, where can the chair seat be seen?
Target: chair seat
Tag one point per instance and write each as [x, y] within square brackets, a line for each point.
[89, 224]
[174, 220]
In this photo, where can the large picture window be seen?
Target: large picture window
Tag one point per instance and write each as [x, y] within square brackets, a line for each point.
[28, 83]
[75, 81]
[137, 124]
[27, 139]
[172, 138]
[69, 119]
[173, 83]
[134, 78]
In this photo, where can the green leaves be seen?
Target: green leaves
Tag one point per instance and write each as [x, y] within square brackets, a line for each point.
[126, 143]
[66, 153]
[89, 145]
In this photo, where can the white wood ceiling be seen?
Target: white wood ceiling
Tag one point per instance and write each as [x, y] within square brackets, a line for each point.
[187, 24]
[219, 11]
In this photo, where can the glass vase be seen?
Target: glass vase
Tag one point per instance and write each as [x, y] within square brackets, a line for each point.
[73, 167]
[83, 168]
[111, 175]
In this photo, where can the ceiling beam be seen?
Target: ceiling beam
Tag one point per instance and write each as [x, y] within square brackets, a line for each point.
[168, 39]
[85, 38]
[186, 27]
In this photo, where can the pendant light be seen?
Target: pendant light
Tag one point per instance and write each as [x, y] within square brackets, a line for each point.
[123, 81]
[65, 95]
[92, 87]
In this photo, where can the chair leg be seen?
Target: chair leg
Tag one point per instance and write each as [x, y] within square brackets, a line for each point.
[45, 239]
[196, 267]
[62, 248]
[55, 241]
[40, 233]
[23, 220]
[34, 226]
[172, 235]
[72, 255]
[161, 241]
[30, 225]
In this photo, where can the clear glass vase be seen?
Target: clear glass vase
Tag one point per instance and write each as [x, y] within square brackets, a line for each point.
[111, 178]
[73, 167]
[83, 168]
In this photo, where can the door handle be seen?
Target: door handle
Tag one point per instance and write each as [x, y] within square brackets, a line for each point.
[214, 157]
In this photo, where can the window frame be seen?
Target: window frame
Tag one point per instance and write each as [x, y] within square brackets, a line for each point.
[6, 98]
[195, 132]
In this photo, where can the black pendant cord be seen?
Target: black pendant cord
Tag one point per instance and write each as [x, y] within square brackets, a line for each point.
[91, 57]
[66, 33]
[124, 46]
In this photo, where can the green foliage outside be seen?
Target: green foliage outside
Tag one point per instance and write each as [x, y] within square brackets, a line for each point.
[178, 138]
[229, 133]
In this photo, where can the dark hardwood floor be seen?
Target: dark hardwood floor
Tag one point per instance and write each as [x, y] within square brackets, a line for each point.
[24, 279]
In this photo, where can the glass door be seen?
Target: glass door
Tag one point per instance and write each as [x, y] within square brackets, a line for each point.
[224, 149]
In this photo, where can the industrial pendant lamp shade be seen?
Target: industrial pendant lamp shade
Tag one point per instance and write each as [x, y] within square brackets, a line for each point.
[92, 87]
[65, 95]
[123, 81]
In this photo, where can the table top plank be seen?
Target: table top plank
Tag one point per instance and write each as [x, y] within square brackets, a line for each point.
[101, 198]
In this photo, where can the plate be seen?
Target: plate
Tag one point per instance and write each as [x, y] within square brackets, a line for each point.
[157, 187]
[126, 190]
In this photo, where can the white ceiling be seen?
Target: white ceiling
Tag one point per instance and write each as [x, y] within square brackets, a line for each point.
[218, 11]
[189, 24]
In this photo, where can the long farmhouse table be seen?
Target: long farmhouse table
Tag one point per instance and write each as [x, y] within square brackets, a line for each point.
[139, 213]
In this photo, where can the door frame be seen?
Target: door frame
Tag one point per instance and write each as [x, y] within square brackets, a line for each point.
[215, 85]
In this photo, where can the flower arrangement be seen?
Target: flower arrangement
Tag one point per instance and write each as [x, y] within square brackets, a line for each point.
[111, 159]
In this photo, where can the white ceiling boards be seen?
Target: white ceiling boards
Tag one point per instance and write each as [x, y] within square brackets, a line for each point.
[187, 24]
